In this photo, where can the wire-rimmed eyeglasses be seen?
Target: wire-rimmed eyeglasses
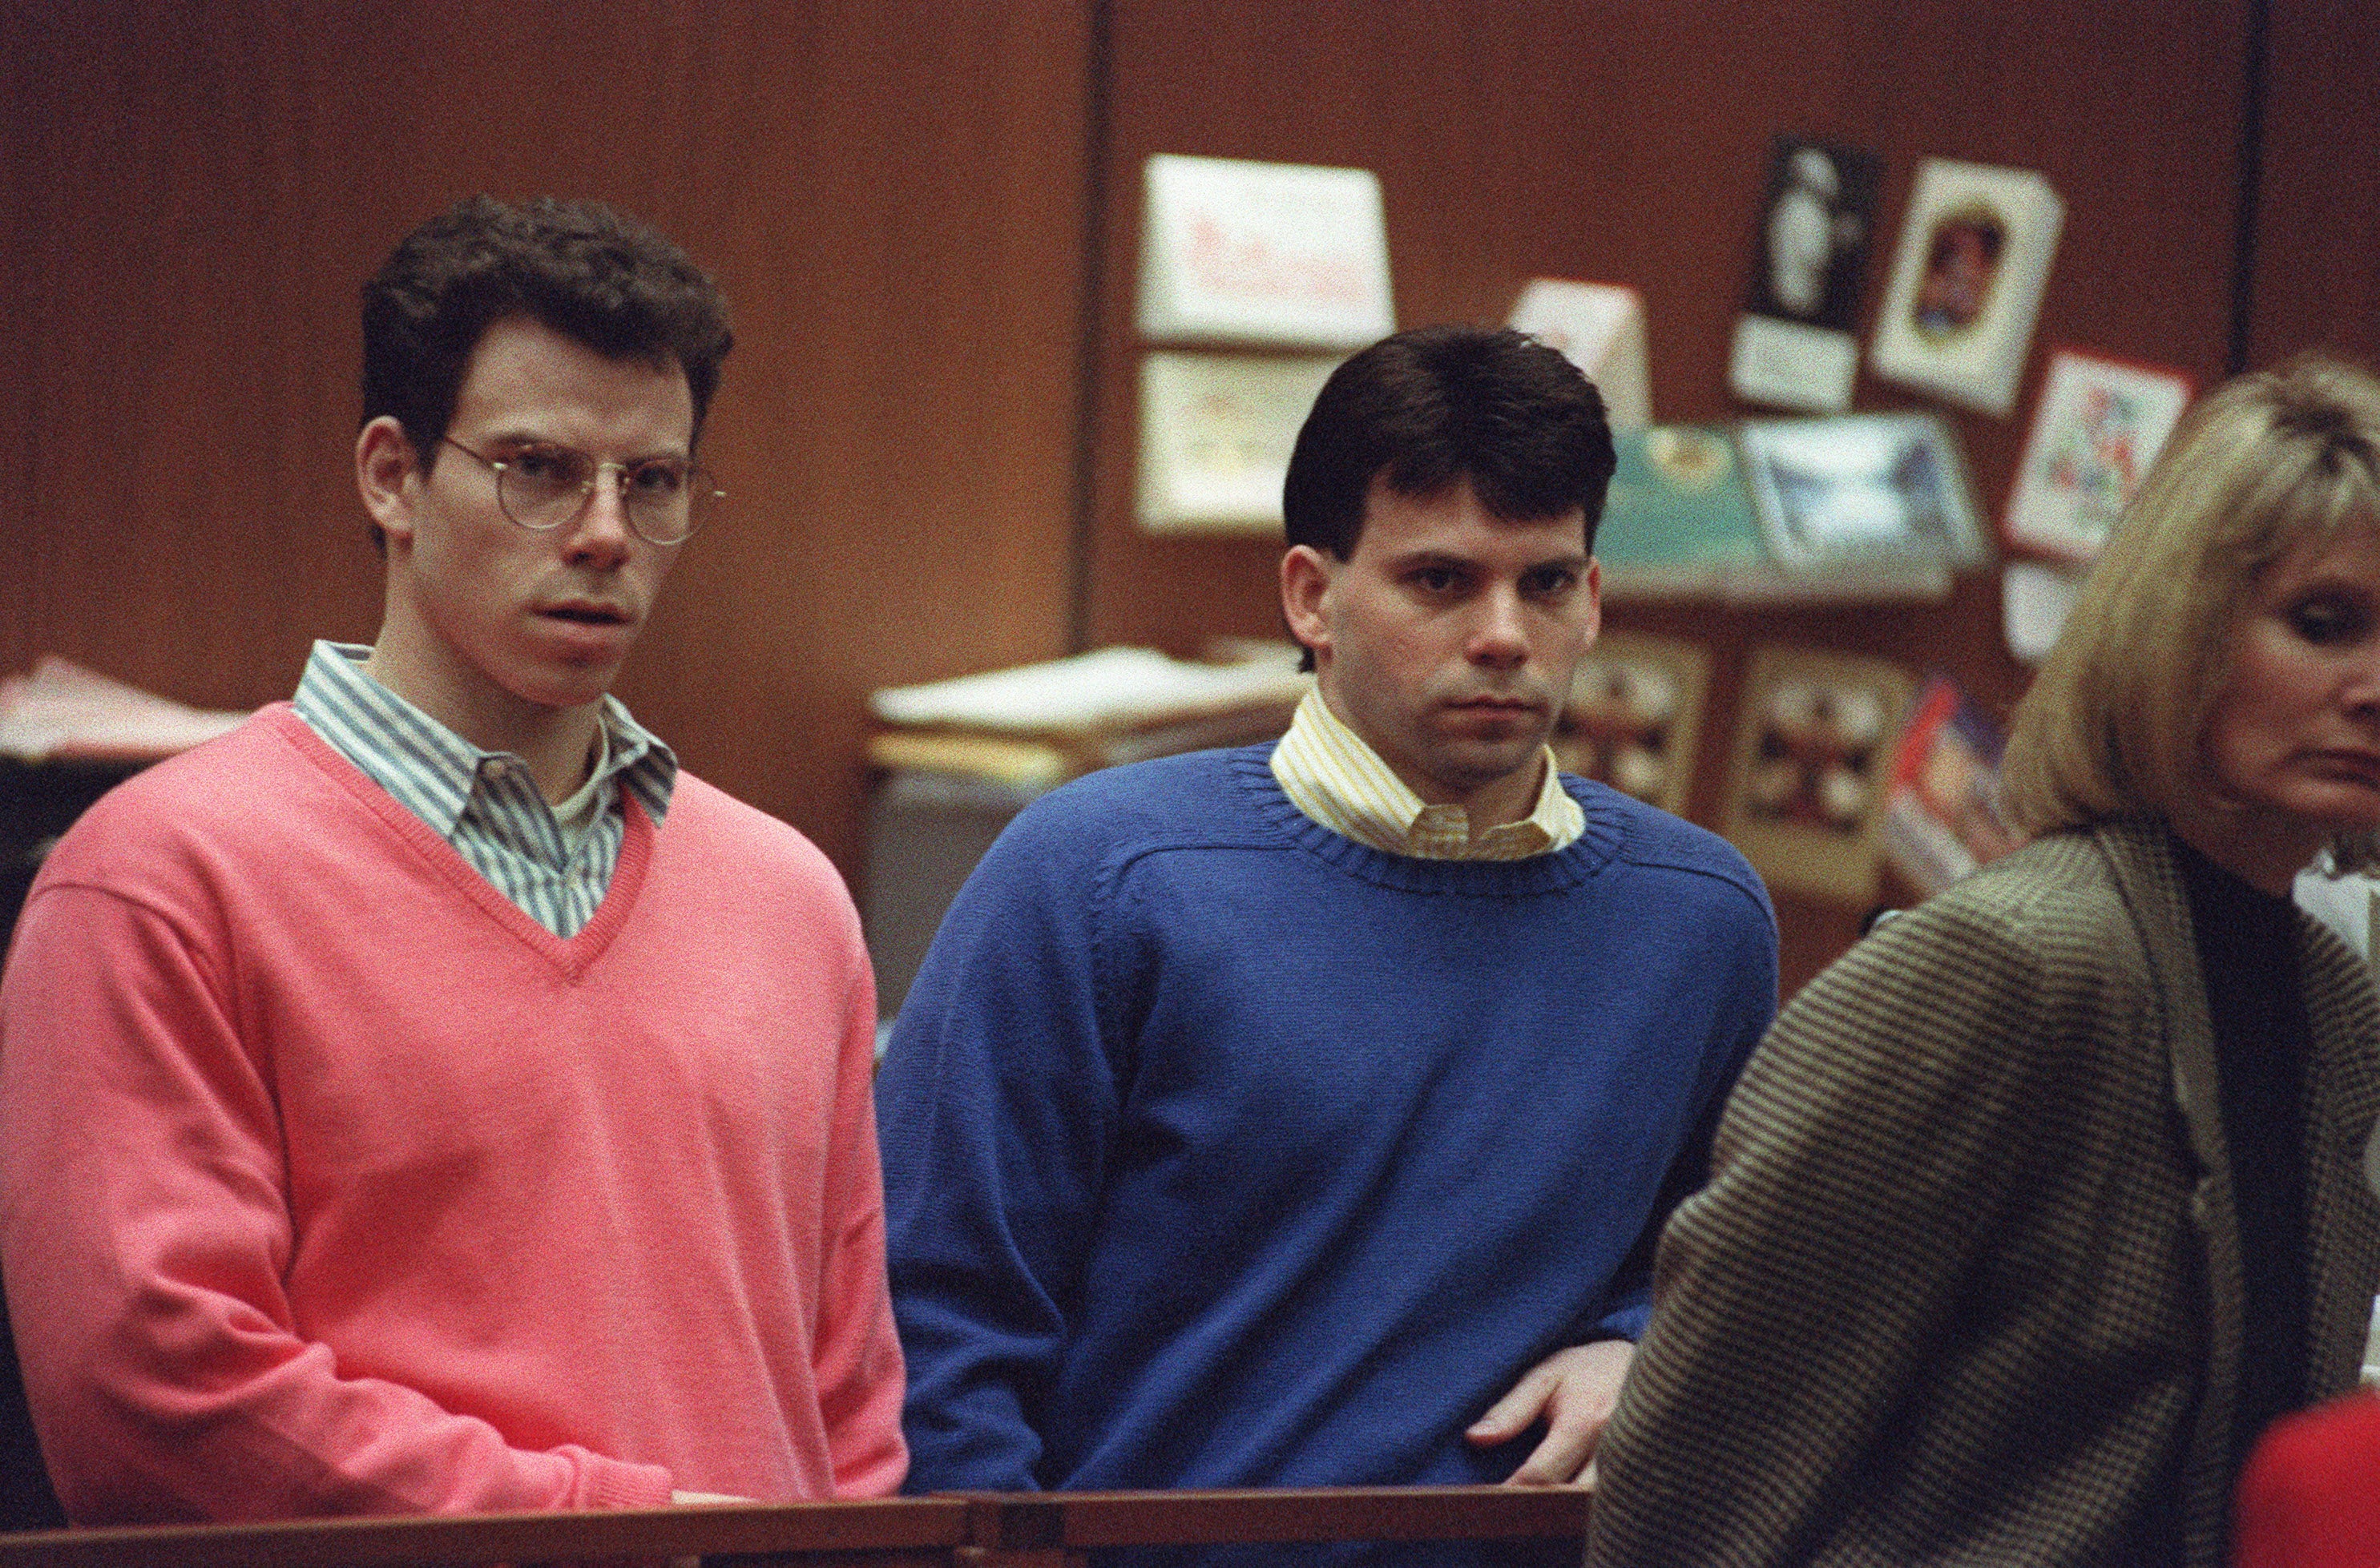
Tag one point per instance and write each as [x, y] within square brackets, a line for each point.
[544, 487]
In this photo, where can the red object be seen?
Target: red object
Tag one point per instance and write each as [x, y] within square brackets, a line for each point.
[2310, 1497]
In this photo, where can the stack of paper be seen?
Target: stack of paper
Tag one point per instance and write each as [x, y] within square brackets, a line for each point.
[62, 709]
[1039, 724]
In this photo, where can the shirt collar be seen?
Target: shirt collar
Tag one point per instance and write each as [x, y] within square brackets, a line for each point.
[430, 768]
[1334, 776]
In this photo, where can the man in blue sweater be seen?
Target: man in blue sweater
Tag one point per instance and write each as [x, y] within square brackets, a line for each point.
[1304, 1116]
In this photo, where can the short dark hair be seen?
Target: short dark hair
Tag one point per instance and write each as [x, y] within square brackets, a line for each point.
[617, 286]
[1426, 409]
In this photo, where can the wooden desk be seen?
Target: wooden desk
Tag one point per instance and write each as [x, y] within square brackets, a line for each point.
[953, 1530]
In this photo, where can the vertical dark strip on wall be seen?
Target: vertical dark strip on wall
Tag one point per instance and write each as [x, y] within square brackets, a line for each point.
[1099, 132]
[2251, 182]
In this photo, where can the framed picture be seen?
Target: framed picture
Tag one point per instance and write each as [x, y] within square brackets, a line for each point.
[1967, 280]
[2099, 424]
[1942, 815]
[1814, 743]
[1215, 436]
[1288, 254]
[1860, 490]
[1793, 346]
[1600, 328]
[1635, 713]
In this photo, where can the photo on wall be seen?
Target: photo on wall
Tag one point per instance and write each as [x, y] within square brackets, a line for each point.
[2100, 422]
[1634, 715]
[1967, 281]
[1814, 745]
[1793, 345]
[1862, 490]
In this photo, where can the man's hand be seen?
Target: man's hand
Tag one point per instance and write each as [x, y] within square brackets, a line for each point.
[1573, 1392]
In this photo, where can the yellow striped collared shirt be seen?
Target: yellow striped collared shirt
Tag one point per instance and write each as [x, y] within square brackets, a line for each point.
[1333, 775]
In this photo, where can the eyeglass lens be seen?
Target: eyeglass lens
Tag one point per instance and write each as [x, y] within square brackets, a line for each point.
[665, 497]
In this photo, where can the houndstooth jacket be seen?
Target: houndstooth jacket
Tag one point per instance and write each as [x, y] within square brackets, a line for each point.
[1965, 1285]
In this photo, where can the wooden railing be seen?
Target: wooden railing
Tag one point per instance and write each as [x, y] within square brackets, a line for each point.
[957, 1530]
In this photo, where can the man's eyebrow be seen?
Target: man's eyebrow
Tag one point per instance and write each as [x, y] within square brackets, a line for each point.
[521, 439]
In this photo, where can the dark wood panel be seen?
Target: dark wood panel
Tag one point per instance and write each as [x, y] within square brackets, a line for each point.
[889, 193]
[1629, 143]
[2317, 280]
[893, 196]
[987, 1529]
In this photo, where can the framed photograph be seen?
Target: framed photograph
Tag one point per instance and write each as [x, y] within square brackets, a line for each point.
[2099, 424]
[1677, 519]
[1814, 744]
[1793, 346]
[1860, 490]
[1600, 327]
[1215, 436]
[1967, 280]
[1635, 713]
[1942, 816]
[1286, 254]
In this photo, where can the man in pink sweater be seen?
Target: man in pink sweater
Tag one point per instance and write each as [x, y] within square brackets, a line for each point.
[427, 1098]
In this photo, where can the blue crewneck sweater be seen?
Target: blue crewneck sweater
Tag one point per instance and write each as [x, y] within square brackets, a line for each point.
[1222, 1150]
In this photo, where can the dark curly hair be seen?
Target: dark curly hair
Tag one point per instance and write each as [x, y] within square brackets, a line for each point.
[606, 280]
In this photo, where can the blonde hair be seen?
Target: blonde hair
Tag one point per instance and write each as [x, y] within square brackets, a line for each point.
[2112, 724]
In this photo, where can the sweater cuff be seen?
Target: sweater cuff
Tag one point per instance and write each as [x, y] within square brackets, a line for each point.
[1627, 1323]
[614, 1483]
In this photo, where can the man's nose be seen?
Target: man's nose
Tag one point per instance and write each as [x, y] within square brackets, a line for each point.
[1499, 638]
[600, 531]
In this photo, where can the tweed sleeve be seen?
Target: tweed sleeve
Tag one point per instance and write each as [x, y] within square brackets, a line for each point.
[1878, 1133]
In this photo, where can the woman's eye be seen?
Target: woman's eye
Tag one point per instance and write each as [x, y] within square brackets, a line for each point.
[2326, 621]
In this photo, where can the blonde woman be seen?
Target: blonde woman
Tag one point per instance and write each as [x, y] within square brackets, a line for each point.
[2031, 1211]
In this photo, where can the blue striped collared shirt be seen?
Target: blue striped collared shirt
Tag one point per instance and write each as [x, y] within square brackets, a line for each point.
[485, 803]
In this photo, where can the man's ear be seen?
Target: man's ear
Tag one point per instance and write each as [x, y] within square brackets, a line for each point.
[1305, 583]
[389, 476]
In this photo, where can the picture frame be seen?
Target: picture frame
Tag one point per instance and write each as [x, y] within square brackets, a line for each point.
[1942, 812]
[1286, 255]
[1599, 327]
[1814, 743]
[1967, 280]
[1215, 430]
[2097, 427]
[1677, 520]
[1793, 347]
[1635, 716]
[1855, 492]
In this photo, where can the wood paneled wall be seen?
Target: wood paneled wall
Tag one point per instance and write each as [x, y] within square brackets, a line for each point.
[897, 195]
[890, 192]
[1629, 143]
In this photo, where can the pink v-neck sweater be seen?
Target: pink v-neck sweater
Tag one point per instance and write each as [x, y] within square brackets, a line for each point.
[332, 1182]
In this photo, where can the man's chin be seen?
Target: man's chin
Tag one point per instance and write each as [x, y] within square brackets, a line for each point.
[1473, 768]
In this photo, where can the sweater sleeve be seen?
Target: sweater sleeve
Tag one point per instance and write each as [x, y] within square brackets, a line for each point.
[1803, 1293]
[145, 1236]
[856, 1352]
[1739, 965]
[998, 1104]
